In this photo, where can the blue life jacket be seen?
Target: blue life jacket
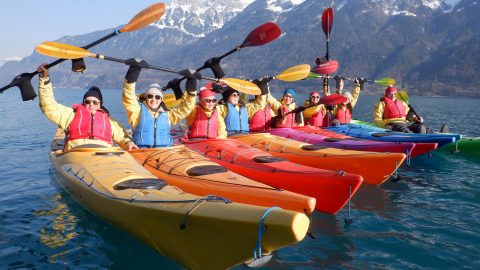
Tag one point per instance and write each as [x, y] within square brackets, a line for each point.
[152, 132]
[236, 121]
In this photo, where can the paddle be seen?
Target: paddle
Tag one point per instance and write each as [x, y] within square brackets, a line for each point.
[327, 24]
[403, 96]
[292, 74]
[66, 51]
[382, 81]
[139, 21]
[331, 100]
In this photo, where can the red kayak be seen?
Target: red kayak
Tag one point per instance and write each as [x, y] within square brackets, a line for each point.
[331, 189]
[418, 150]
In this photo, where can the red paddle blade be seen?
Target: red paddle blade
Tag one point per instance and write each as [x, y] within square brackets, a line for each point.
[327, 21]
[325, 68]
[262, 35]
[333, 99]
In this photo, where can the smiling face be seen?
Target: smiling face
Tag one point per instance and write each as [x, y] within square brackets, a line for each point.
[288, 99]
[208, 103]
[315, 98]
[233, 98]
[153, 99]
[92, 104]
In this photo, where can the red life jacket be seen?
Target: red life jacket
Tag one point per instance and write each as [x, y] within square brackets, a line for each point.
[344, 115]
[328, 119]
[261, 120]
[204, 126]
[393, 109]
[289, 118]
[90, 126]
[316, 119]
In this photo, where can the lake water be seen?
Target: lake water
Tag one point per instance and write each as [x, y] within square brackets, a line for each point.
[428, 220]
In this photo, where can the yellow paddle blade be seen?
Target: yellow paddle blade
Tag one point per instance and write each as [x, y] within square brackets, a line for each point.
[145, 17]
[385, 81]
[402, 95]
[171, 101]
[64, 51]
[294, 73]
[241, 86]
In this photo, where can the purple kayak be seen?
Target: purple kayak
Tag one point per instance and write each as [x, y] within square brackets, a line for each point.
[350, 144]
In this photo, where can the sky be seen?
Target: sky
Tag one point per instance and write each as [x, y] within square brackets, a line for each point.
[27, 23]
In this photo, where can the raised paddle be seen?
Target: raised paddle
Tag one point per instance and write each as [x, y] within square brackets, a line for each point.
[331, 100]
[292, 74]
[327, 24]
[66, 51]
[139, 21]
[382, 81]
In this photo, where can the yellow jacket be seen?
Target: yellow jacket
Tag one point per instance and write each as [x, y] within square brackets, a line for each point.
[132, 106]
[221, 130]
[378, 115]
[276, 105]
[62, 116]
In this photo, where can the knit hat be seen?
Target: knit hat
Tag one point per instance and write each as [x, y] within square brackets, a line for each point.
[154, 88]
[349, 96]
[228, 93]
[314, 92]
[289, 91]
[390, 89]
[93, 92]
[204, 93]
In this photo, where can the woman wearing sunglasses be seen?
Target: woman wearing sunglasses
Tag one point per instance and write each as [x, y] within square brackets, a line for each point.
[85, 123]
[315, 113]
[150, 118]
[285, 119]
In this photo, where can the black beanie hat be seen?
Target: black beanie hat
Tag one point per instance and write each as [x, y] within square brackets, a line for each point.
[94, 92]
[228, 92]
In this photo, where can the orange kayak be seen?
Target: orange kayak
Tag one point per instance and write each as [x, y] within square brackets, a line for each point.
[331, 189]
[375, 167]
[184, 168]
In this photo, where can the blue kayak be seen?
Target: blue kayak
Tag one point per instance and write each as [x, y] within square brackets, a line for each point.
[379, 134]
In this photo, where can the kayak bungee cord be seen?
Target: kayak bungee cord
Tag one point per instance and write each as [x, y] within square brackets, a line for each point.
[197, 204]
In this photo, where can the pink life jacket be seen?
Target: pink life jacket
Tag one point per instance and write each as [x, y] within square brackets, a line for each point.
[289, 121]
[261, 120]
[393, 109]
[90, 126]
[344, 115]
[316, 119]
[204, 126]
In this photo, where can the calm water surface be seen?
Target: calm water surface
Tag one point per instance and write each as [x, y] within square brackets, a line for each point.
[428, 220]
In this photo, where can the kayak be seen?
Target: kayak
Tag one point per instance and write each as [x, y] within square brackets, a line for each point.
[182, 167]
[375, 168]
[350, 144]
[331, 189]
[372, 133]
[467, 145]
[419, 149]
[182, 226]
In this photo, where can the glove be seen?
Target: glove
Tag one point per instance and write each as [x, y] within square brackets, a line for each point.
[214, 64]
[217, 88]
[360, 81]
[134, 70]
[262, 83]
[175, 86]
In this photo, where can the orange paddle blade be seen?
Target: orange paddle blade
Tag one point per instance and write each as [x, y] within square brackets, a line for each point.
[145, 17]
[61, 50]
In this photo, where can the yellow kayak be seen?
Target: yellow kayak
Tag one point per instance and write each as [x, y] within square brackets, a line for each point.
[198, 232]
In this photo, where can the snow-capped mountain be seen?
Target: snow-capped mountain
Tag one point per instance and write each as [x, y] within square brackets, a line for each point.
[6, 59]
[428, 46]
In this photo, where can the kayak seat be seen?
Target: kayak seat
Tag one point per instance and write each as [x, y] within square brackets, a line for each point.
[206, 170]
[141, 183]
[332, 139]
[312, 147]
[268, 159]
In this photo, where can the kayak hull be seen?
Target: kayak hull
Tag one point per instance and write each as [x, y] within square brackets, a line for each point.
[176, 224]
[375, 168]
[182, 167]
[331, 189]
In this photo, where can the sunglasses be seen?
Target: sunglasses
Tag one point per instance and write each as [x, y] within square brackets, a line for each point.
[88, 101]
[157, 97]
[209, 100]
[315, 97]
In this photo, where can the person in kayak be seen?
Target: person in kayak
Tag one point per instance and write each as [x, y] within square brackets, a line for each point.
[150, 118]
[284, 117]
[236, 113]
[204, 120]
[85, 123]
[394, 114]
[343, 112]
[315, 112]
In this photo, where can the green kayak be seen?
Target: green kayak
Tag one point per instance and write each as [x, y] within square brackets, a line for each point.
[467, 145]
